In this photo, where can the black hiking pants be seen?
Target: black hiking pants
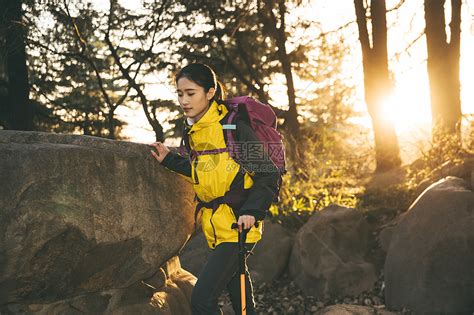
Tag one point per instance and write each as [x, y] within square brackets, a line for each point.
[220, 272]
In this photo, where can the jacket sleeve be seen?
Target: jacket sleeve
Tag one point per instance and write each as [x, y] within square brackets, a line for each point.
[177, 163]
[265, 177]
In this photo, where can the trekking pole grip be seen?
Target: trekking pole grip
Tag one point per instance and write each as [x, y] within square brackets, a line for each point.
[242, 235]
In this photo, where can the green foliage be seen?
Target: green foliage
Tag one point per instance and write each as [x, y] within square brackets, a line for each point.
[233, 38]
[64, 86]
[77, 84]
[333, 155]
[331, 173]
[384, 202]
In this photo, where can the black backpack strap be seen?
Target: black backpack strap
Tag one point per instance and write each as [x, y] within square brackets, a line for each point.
[185, 147]
[185, 150]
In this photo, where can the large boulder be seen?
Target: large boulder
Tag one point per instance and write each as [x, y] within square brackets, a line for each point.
[194, 254]
[81, 214]
[429, 265]
[328, 256]
[167, 292]
[271, 254]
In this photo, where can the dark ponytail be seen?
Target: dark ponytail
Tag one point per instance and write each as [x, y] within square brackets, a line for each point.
[204, 76]
[220, 92]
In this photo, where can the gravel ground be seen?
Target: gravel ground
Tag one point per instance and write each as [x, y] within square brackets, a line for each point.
[282, 296]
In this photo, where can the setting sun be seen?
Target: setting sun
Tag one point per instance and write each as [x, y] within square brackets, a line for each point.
[408, 106]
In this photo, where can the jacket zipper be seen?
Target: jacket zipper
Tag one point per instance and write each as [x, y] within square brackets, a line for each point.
[214, 230]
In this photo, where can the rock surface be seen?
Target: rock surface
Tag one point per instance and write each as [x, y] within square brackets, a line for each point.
[429, 264]
[271, 254]
[81, 214]
[347, 309]
[328, 256]
[167, 292]
[194, 254]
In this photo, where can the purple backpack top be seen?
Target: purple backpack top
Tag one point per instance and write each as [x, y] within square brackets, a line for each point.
[262, 120]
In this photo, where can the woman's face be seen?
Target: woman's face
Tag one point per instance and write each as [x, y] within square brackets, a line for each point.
[193, 99]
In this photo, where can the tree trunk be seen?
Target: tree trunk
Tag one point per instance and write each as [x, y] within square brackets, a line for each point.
[377, 83]
[4, 110]
[277, 31]
[443, 68]
[19, 113]
[291, 119]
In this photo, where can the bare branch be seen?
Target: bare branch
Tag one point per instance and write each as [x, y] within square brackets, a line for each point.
[132, 80]
[397, 6]
[340, 28]
[408, 47]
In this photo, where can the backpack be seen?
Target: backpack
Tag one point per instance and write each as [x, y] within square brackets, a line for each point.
[263, 121]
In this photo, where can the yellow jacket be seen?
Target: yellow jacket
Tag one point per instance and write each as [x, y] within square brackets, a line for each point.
[212, 176]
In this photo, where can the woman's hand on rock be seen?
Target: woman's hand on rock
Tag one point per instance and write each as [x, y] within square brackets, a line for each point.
[161, 151]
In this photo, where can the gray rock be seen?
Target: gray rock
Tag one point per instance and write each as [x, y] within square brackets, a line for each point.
[385, 237]
[385, 234]
[172, 297]
[346, 309]
[429, 264]
[327, 259]
[271, 254]
[81, 214]
[194, 254]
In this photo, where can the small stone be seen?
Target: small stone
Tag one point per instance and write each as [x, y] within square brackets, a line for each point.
[35, 307]
[367, 302]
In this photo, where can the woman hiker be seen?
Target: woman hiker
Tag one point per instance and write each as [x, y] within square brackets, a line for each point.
[251, 186]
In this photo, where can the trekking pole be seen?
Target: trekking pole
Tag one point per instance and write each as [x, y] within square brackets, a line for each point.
[242, 252]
